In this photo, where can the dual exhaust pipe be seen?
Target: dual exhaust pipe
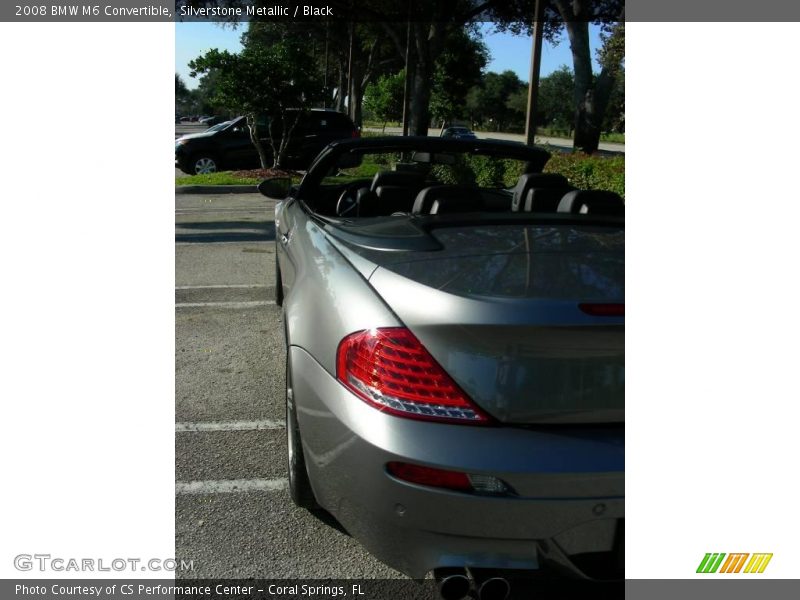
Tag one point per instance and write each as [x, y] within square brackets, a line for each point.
[456, 584]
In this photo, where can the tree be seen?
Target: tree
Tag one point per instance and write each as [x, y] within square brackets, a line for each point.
[263, 81]
[489, 100]
[615, 113]
[591, 94]
[327, 46]
[384, 98]
[555, 104]
[182, 93]
[367, 24]
[458, 68]
[430, 23]
[517, 103]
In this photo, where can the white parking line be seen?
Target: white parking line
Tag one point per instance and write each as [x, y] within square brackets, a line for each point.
[230, 486]
[228, 426]
[249, 304]
[234, 286]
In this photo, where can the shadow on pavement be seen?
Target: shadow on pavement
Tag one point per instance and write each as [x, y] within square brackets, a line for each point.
[226, 231]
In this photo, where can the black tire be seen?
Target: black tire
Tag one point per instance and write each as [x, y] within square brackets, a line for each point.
[278, 282]
[203, 164]
[299, 485]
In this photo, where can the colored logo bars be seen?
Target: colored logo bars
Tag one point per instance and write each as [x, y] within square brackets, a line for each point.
[713, 563]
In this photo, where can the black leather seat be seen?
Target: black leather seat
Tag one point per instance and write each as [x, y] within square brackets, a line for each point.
[424, 201]
[594, 202]
[527, 181]
[367, 203]
[395, 198]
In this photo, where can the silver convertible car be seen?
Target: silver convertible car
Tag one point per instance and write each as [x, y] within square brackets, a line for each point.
[455, 358]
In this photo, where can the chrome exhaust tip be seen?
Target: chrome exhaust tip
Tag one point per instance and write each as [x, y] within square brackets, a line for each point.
[494, 588]
[453, 584]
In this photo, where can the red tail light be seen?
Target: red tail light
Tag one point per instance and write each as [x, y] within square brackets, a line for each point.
[603, 310]
[391, 370]
[356, 133]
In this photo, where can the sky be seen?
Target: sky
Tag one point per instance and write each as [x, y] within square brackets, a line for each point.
[507, 51]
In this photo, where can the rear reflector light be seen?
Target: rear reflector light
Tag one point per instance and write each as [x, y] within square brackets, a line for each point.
[451, 480]
[356, 134]
[391, 370]
[603, 310]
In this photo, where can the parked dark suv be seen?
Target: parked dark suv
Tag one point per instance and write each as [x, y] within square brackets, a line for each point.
[228, 146]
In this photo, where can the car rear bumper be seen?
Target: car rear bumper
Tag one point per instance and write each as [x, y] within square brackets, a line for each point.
[568, 483]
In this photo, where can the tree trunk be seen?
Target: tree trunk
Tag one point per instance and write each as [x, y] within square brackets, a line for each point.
[583, 95]
[355, 96]
[286, 134]
[590, 97]
[263, 157]
[340, 90]
[593, 112]
[418, 109]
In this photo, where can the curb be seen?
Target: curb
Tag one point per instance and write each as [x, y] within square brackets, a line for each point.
[216, 189]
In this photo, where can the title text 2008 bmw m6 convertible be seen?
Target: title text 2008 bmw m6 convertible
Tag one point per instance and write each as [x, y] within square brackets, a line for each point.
[455, 358]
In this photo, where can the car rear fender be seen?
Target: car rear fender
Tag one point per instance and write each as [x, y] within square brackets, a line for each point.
[326, 298]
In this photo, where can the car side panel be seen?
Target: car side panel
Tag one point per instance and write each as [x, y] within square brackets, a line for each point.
[325, 298]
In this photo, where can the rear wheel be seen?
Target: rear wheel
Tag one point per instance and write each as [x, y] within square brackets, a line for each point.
[299, 485]
[202, 165]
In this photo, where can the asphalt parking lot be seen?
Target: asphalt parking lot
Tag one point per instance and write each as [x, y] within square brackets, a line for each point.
[233, 515]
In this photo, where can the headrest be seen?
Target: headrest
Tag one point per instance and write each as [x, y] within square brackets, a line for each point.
[544, 199]
[527, 181]
[593, 202]
[424, 200]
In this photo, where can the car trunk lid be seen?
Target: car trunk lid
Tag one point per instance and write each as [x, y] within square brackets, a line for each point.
[503, 308]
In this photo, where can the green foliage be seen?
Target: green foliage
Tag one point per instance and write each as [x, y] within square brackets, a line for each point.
[615, 113]
[590, 172]
[581, 170]
[487, 103]
[262, 80]
[458, 68]
[513, 169]
[556, 107]
[384, 98]
[517, 101]
[483, 171]
[181, 91]
[460, 173]
[488, 170]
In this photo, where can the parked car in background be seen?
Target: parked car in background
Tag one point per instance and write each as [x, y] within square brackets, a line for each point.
[455, 359]
[458, 133]
[211, 120]
[230, 147]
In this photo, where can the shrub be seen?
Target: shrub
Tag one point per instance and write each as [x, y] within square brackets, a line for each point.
[590, 172]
